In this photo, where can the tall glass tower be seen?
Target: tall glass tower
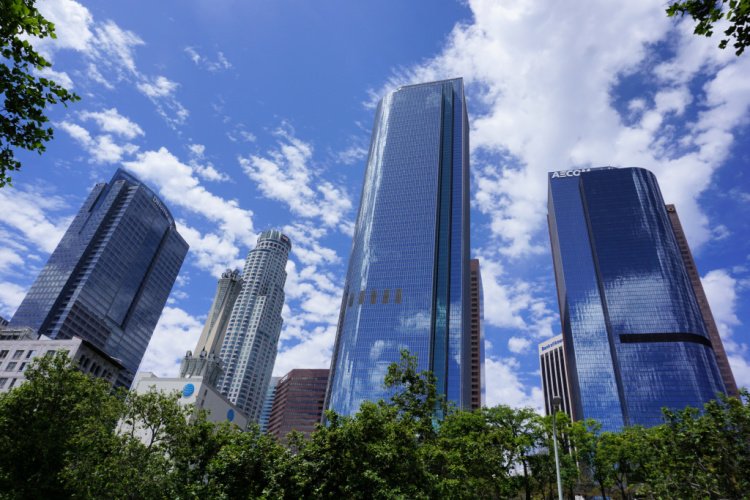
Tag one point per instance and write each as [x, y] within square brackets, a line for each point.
[110, 276]
[635, 339]
[252, 334]
[407, 285]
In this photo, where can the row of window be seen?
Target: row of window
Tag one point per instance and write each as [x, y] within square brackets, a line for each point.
[372, 295]
[16, 355]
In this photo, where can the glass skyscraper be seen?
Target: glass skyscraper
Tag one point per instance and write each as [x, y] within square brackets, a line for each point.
[248, 351]
[635, 339]
[407, 285]
[111, 274]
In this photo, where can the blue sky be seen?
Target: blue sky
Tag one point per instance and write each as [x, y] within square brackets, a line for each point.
[250, 115]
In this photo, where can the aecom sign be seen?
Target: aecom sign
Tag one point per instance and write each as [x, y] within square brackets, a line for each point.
[570, 173]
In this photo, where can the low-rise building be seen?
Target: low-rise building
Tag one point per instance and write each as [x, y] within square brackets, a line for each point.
[19, 347]
[193, 391]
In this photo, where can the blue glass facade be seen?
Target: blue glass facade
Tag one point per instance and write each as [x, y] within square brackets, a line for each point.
[635, 339]
[407, 286]
[111, 274]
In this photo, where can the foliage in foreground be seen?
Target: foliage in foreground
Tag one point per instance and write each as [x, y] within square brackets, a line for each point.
[707, 13]
[65, 435]
[24, 93]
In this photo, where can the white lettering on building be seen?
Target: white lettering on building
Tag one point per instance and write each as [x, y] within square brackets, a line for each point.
[569, 173]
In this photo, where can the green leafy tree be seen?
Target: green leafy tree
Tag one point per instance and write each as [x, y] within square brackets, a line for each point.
[707, 13]
[703, 454]
[25, 95]
[45, 422]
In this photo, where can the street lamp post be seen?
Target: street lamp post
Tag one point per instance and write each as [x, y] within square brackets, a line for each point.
[556, 401]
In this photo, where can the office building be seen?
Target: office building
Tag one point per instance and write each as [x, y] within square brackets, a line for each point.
[695, 280]
[554, 377]
[205, 360]
[407, 284]
[477, 336]
[298, 403]
[111, 274]
[193, 391]
[250, 343]
[635, 340]
[265, 413]
[20, 348]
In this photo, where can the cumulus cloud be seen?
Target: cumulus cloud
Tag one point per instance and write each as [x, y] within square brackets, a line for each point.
[505, 387]
[29, 213]
[518, 345]
[105, 147]
[549, 102]
[287, 174]
[11, 296]
[176, 333]
[111, 121]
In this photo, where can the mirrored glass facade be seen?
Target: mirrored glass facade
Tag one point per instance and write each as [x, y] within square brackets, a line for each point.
[111, 274]
[635, 339]
[407, 285]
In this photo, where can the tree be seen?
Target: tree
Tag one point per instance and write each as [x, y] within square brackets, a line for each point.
[703, 454]
[46, 421]
[708, 12]
[25, 95]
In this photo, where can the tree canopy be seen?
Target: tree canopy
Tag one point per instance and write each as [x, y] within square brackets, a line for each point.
[25, 94]
[66, 435]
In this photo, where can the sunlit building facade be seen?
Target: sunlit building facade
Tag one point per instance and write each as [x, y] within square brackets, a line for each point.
[111, 274]
[250, 344]
[634, 337]
[407, 284]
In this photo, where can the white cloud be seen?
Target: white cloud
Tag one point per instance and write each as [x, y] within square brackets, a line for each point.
[72, 26]
[115, 47]
[721, 291]
[548, 102]
[176, 333]
[221, 62]
[161, 91]
[27, 211]
[518, 345]
[352, 155]
[102, 148]
[313, 351]
[59, 77]
[287, 174]
[110, 120]
[160, 86]
[206, 170]
[110, 52]
[11, 296]
[504, 386]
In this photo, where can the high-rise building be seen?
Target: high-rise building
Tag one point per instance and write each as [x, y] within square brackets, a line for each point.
[265, 413]
[111, 274]
[477, 336]
[635, 339]
[205, 361]
[298, 403]
[252, 334]
[554, 377]
[407, 285]
[695, 280]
